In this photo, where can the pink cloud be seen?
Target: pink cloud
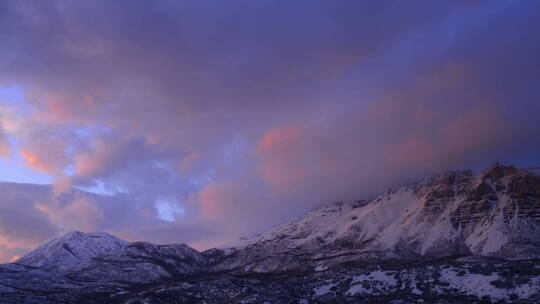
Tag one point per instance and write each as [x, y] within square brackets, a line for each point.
[80, 214]
[45, 158]
[218, 200]
[95, 161]
[281, 165]
[5, 149]
[449, 142]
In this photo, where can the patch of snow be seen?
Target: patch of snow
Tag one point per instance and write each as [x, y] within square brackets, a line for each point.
[481, 285]
[118, 294]
[324, 289]
[321, 268]
[375, 283]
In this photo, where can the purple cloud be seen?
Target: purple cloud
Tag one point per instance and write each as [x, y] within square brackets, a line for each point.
[245, 114]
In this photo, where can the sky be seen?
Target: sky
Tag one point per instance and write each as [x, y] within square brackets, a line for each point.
[201, 122]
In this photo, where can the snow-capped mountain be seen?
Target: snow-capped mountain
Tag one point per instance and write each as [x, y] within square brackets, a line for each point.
[65, 252]
[496, 213]
[455, 238]
[95, 257]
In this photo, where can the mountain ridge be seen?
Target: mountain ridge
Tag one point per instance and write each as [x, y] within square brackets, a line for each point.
[453, 200]
[458, 235]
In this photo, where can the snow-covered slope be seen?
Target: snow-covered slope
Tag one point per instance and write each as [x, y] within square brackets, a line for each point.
[65, 252]
[495, 213]
[140, 262]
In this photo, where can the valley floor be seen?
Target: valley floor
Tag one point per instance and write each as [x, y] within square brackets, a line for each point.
[460, 280]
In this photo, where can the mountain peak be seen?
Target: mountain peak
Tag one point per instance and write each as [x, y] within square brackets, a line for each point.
[499, 170]
[71, 249]
[75, 234]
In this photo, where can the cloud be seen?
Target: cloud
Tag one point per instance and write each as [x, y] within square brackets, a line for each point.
[22, 228]
[284, 165]
[4, 144]
[243, 121]
[79, 214]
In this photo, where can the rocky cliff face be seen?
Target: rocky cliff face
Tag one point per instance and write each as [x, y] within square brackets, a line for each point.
[493, 214]
[458, 237]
